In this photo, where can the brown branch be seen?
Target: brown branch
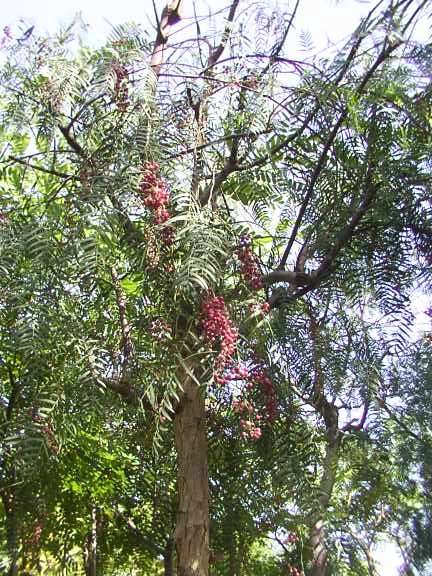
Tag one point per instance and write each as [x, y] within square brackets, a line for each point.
[41, 168]
[230, 162]
[275, 150]
[65, 130]
[346, 233]
[419, 8]
[275, 55]
[81, 110]
[350, 426]
[311, 186]
[126, 390]
[216, 53]
[384, 54]
[293, 278]
[171, 15]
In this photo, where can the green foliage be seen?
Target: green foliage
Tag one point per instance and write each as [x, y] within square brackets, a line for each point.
[100, 302]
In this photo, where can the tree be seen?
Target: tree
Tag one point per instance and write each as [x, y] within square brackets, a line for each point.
[139, 256]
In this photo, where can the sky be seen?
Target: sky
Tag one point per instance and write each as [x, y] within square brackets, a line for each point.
[328, 21]
[331, 20]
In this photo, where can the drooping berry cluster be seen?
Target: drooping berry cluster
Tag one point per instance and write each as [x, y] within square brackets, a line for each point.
[218, 329]
[249, 264]
[34, 539]
[7, 36]
[294, 571]
[252, 420]
[259, 377]
[155, 196]
[153, 189]
[291, 538]
[160, 329]
[261, 309]
[250, 423]
[250, 429]
[121, 91]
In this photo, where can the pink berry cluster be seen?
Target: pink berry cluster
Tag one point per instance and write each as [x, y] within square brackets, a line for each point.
[154, 191]
[248, 264]
[155, 196]
[160, 329]
[291, 538]
[250, 429]
[259, 309]
[121, 92]
[7, 36]
[259, 377]
[34, 540]
[218, 329]
[250, 424]
[294, 571]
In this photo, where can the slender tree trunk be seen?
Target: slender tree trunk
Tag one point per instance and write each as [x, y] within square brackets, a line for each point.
[317, 529]
[91, 546]
[169, 558]
[192, 529]
[11, 534]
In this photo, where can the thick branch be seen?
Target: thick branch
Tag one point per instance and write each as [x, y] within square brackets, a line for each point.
[216, 53]
[66, 131]
[171, 15]
[350, 426]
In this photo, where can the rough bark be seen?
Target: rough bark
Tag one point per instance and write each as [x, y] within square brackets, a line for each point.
[192, 529]
[330, 415]
[91, 547]
[169, 558]
[11, 534]
[318, 526]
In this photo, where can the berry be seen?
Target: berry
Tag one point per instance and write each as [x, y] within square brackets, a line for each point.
[248, 264]
[218, 329]
[155, 196]
[121, 77]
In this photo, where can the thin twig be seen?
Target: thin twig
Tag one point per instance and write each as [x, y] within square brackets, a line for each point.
[41, 168]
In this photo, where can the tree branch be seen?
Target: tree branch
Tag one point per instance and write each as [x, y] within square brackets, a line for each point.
[171, 15]
[41, 169]
[216, 53]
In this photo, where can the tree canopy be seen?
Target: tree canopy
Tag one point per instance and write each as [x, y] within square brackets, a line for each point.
[208, 256]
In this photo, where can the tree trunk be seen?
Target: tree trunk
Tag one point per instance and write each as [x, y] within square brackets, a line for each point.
[11, 534]
[317, 530]
[192, 529]
[169, 558]
[90, 552]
